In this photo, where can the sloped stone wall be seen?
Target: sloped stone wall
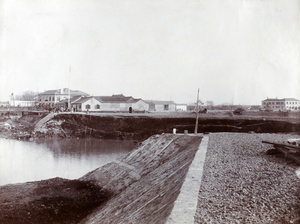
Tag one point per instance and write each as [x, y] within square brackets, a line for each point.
[145, 183]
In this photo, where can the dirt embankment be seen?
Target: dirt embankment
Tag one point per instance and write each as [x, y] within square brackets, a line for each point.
[17, 127]
[140, 127]
[49, 201]
[80, 125]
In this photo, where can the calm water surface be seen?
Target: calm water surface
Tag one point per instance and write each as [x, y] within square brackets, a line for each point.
[22, 161]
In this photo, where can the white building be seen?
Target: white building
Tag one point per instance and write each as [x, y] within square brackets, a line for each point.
[50, 97]
[114, 103]
[122, 103]
[22, 103]
[181, 107]
[281, 104]
[161, 106]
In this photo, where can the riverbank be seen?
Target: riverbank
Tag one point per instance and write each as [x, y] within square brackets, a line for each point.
[241, 183]
[54, 200]
[141, 126]
[149, 177]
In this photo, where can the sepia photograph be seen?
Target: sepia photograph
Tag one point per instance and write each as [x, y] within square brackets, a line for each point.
[149, 111]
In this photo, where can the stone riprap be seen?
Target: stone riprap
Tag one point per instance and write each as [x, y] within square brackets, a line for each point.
[146, 182]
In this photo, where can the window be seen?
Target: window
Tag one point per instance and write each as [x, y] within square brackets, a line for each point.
[97, 106]
[166, 107]
[87, 106]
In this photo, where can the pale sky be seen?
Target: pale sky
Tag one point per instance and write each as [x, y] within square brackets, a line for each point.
[239, 51]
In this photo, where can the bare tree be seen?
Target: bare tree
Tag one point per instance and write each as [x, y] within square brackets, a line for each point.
[27, 95]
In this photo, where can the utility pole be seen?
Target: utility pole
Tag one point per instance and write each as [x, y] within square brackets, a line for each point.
[197, 114]
[69, 96]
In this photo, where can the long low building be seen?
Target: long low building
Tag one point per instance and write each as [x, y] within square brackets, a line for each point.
[114, 103]
[281, 104]
[161, 106]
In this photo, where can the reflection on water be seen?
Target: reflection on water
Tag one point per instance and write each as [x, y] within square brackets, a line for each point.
[67, 158]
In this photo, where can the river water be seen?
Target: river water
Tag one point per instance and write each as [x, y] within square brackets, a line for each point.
[22, 161]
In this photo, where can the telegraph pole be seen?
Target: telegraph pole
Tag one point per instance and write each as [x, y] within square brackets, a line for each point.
[197, 114]
[69, 96]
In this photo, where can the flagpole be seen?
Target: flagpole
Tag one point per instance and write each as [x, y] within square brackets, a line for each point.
[197, 114]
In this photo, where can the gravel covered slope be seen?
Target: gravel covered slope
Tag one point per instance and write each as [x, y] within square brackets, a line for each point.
[242, 184]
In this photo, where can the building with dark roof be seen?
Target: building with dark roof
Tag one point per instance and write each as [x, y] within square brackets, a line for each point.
[114, 103]
[50, 98]
[281, 104]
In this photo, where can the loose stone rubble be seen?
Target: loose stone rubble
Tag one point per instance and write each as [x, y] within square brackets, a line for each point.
[242, 184]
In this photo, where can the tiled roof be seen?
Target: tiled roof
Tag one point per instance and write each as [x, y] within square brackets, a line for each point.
[273, 100]
[84, 99]
[291, 99]
[284, 99]
[137, 100]
[64, 91]
[115, 99]
[103, 99]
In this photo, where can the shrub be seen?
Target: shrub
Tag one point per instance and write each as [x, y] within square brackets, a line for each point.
[239, 111]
